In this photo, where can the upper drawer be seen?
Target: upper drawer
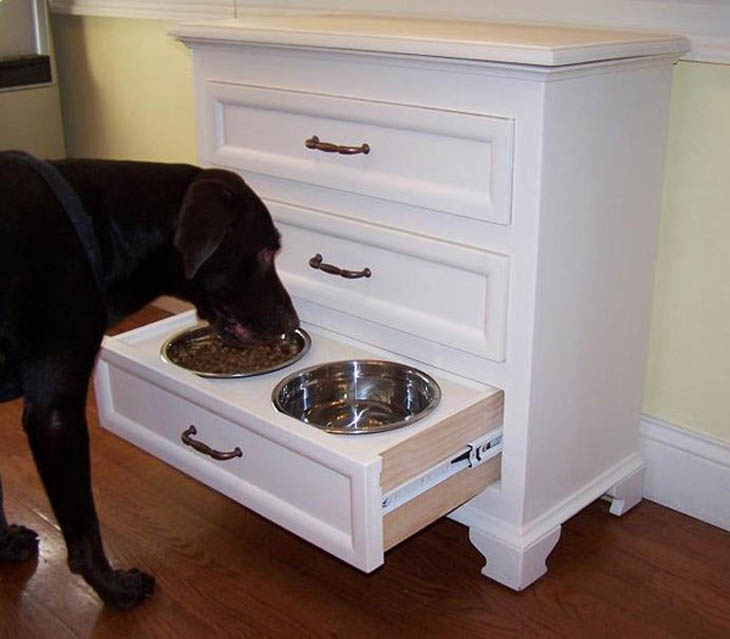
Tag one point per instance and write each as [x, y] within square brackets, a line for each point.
[445, 293]
[447, 161]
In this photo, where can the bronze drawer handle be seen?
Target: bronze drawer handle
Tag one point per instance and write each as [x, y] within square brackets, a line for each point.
[316, 263]
[205, 449]
[328, 147]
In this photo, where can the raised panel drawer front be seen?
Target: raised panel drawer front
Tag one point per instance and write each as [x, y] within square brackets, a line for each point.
[442, 292]
[352, 496]
[448, 161]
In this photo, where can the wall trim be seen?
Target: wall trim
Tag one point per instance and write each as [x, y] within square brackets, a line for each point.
[152, 9]
[686, 470]
[705, 22]
[708, 49]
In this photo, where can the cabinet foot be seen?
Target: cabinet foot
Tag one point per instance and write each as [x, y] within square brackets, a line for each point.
[627, 493]
[511, 565]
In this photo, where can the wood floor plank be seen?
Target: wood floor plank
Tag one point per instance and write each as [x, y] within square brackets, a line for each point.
[223, 571]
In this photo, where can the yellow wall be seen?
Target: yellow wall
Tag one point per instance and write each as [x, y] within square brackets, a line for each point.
[30, 119]
[126, 89]
[688, 380]
[126, 93]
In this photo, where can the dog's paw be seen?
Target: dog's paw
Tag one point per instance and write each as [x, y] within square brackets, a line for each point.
[18, 543]
[129, 589]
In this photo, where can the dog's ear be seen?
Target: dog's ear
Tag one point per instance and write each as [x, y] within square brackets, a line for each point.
[205, 216]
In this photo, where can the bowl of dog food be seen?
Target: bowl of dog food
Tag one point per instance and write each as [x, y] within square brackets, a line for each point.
[355, 397]
[203, 351]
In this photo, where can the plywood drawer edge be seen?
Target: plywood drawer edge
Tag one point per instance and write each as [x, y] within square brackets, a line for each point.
[416, 514]
[417, 454]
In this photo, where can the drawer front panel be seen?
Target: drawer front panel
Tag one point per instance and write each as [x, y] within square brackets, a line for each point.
[261, 130]
[448, 294]
[317, 505]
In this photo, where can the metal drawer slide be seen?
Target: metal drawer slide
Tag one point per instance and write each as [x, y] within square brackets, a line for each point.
[473, 454]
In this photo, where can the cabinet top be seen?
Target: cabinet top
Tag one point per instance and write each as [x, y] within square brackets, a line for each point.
[541, 45]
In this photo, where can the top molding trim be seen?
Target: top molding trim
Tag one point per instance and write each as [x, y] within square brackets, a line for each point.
[539, 45]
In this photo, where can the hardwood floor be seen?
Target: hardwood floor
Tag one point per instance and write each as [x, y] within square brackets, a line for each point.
[223, 571]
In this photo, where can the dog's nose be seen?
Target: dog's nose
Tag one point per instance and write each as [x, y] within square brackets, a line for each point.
[291, 320]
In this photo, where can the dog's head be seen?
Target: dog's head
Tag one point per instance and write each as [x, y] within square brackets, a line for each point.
[228, 242]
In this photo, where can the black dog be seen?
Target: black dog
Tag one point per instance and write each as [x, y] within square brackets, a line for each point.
[200, 235]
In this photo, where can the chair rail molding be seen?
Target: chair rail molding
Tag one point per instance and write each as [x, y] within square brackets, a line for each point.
[161, 9]
[705, 22]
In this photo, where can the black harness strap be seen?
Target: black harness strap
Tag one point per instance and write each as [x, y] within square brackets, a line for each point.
[10, 388]
[84, 228]
[74, 209]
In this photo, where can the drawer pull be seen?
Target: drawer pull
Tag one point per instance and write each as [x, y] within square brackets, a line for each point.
[316, 263]
[205, 449]
[315, 144]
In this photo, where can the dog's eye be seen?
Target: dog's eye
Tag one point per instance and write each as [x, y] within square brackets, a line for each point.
[266, 257]
[229, 197]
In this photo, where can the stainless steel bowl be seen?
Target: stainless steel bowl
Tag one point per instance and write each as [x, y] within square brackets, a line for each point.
[204, 337]
[357, 396]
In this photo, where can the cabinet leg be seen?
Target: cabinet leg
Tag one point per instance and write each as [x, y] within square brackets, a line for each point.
[627, 493]
[511, 565]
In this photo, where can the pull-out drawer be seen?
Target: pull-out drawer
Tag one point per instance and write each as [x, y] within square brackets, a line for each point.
[442, 292]
[354, 496]
[391, 152]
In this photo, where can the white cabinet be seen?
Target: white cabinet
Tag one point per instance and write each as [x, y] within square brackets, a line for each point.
[501, 185]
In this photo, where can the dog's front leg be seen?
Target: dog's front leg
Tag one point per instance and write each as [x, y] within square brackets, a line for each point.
[59, 439]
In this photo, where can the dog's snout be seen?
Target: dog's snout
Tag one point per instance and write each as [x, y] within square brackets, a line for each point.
[285, 319]
[291, 321]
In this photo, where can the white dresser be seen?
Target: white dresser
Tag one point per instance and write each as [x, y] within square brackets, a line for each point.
[493, 192]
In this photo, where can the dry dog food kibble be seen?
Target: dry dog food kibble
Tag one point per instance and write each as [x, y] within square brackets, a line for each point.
[208, 353]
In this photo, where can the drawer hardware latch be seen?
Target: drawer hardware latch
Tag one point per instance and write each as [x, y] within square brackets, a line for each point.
[315, 144]
[187, 439]
[474, 454]
[316, 263]
[477, 453]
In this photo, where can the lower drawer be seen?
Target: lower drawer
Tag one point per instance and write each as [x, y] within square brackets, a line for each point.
[352, 496]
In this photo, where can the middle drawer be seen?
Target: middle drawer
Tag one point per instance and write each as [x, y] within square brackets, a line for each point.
[445, 293]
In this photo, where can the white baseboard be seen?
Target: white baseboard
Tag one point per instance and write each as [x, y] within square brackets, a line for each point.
[686, 471]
